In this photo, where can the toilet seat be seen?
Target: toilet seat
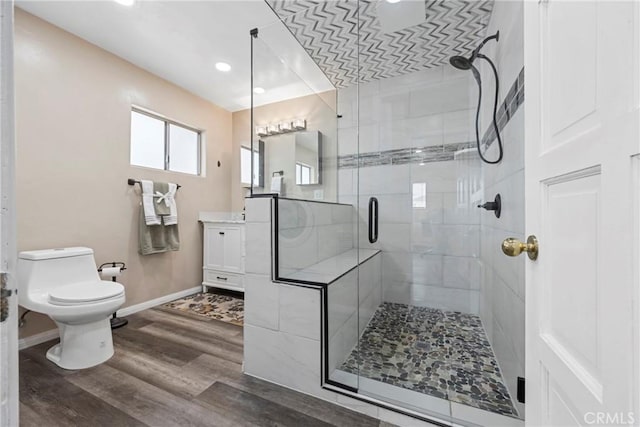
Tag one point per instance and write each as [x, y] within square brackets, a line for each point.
[85, 293]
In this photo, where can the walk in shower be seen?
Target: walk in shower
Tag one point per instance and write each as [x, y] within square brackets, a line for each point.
[421, 312]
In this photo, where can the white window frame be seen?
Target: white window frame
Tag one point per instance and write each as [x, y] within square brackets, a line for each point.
[419, 195]
[256, 166]
[167, 122]
[299, 168]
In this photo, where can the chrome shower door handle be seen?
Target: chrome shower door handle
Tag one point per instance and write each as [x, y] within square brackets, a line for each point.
[373, 220]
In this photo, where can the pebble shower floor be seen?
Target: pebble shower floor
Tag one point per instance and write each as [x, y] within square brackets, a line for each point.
[441, 353]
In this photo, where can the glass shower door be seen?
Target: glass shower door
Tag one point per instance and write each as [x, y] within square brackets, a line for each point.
[417, 183]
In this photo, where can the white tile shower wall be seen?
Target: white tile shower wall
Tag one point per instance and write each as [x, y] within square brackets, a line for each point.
[502, 293]
[310, 232]
[258, 236]
[347, 318]
[424, 249]
[281, 329]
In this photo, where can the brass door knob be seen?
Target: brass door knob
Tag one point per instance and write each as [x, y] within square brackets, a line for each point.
[514, 247]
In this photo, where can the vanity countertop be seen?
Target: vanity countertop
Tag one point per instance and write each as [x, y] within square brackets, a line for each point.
[221, 217]
[223, 221]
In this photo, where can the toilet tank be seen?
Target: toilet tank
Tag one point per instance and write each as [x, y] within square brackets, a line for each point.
[38, 271]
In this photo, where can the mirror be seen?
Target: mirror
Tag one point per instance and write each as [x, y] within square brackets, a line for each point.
[308, 157]
[258, 166]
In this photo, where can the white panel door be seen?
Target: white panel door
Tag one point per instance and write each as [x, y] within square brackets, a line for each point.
[581, 130]
[8, 321]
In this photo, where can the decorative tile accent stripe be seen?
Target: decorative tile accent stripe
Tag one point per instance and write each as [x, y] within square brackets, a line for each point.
[440, 153]
[402, 156]
[512, 101]
[328, 30]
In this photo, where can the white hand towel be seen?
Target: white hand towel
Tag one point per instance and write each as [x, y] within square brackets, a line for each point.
[276, 184]
[170, 197]
[150, 217]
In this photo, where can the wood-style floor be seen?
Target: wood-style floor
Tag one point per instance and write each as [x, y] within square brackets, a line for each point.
[169, 369]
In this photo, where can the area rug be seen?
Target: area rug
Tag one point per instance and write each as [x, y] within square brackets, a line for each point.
[223, 307]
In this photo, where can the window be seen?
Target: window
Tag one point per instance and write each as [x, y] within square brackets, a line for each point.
[420, 195]
[303, 174]
[163, 144]
[245, 166]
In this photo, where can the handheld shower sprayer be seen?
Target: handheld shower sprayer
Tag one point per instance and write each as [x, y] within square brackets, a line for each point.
[463, 63]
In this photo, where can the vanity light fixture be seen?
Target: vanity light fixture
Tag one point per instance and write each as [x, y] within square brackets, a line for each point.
[286, 127]
[273, 129]
[282, 127]
[223, 66]
[299, 124]
[261, 131]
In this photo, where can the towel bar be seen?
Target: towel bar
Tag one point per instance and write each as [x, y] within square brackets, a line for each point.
[132, 181]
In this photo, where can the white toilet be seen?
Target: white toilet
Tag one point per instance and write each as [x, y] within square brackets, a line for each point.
[64, 284]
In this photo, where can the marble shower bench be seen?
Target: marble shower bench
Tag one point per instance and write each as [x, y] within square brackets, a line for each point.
[331, 269]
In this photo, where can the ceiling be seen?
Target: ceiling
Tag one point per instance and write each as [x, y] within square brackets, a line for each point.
[181, 41]
[315, 50]
[395, 38]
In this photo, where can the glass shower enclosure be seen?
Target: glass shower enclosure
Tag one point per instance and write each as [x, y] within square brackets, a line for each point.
[414, 289]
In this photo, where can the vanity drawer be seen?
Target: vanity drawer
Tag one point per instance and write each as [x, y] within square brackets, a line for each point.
[223, 279]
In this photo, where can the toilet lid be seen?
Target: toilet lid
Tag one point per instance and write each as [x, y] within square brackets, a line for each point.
[84, 292]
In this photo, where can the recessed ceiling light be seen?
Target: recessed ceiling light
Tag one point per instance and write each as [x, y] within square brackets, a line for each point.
[125, 2]
[421, 164]
[418, 151]
[258, 90]
[393, 1]
[223, 66]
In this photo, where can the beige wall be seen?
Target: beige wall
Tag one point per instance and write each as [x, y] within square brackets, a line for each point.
[320, 113]
[73, 122]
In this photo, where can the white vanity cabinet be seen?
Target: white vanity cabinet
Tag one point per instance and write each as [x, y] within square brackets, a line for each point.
[223, 255]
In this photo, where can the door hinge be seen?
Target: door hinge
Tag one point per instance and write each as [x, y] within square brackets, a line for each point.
[520, 391]
[4, 297]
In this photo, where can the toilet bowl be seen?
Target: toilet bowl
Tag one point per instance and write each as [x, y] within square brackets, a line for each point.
[64, 284]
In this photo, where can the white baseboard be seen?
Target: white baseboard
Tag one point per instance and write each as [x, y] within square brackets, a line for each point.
[158, 301]
[53, 333]
[38, 338]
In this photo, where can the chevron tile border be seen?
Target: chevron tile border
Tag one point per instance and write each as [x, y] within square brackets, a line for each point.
[328, 32]
[440, 153]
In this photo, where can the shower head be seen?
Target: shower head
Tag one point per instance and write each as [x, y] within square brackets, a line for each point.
[462, 63]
